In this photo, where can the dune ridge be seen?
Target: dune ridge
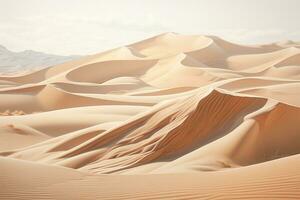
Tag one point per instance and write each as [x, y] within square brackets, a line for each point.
[177, 116]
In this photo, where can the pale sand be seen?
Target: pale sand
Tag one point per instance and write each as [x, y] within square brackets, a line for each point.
[170, 117]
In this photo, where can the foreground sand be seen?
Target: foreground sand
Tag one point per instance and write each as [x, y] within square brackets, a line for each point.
[170, 117]
[279, 179]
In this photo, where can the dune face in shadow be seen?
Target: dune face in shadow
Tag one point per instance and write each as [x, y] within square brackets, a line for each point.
[186, 112]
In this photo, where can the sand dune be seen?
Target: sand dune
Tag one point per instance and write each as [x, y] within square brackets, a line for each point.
[169, 117]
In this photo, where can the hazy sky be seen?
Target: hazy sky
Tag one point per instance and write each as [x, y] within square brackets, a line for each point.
[89, 26]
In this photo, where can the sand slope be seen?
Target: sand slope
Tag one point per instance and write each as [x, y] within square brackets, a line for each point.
[170, 117]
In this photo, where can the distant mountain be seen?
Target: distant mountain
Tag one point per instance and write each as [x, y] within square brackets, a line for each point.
[28, 60]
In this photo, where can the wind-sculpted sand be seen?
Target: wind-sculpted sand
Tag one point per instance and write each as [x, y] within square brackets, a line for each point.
[170, 117]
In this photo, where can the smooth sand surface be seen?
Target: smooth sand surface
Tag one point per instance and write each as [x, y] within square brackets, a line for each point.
[170, 117]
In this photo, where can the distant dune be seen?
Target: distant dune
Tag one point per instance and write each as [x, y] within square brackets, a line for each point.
[170, 117]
